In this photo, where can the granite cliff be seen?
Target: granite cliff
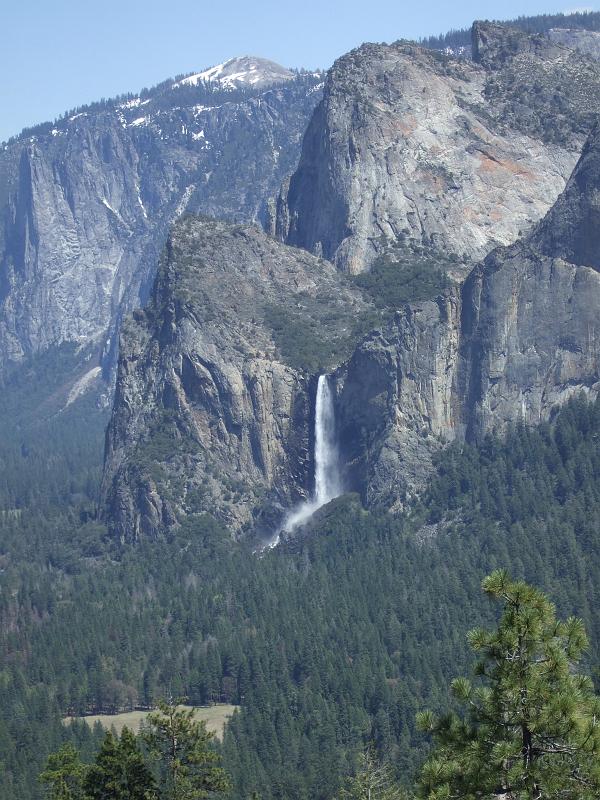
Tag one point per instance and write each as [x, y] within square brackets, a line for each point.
[514, 341]
[213, 407]
[410, 146]
[213, 401]
[86, 202]
[215, 395]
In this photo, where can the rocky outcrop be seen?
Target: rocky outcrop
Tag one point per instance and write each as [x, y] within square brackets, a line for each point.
[216, 378]
[409, 146]
[529, 338]
[86, 203]
[587, 42]
[210, 414]
[571, 230]
[398, 401]
[517, 339]
[213, 407]
[494, 44]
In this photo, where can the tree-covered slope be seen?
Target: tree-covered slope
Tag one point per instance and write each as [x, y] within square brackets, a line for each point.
[540, 23]
[337, 638]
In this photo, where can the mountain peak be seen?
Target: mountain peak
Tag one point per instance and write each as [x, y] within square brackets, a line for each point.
[242, 71]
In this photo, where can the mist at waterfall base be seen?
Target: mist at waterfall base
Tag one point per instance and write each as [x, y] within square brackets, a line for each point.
[328, 484]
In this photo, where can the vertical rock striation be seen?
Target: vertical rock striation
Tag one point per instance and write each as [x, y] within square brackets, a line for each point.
[518, 338]
[85, 205]
[210, 415]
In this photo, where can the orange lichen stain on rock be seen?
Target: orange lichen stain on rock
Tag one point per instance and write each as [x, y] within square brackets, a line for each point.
[471, 214]
[406, 125]
[489, 164]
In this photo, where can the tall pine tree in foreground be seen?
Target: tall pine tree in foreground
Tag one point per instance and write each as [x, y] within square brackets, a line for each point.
[64, 774]
[189, 768]
[531, 728]
[119, 771]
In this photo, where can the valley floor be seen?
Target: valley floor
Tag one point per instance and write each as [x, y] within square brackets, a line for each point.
[215, 718]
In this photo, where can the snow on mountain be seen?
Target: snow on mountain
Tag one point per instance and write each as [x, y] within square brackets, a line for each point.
[241, 71]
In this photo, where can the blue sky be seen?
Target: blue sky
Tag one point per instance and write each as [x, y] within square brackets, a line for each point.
[57, 54]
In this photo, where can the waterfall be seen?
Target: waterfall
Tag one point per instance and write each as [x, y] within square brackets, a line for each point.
[327, 465]
[327, 468]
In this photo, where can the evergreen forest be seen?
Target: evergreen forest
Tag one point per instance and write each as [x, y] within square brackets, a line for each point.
[329, 643]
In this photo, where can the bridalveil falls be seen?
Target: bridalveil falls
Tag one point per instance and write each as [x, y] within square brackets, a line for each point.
[328, 482]
[327, 467]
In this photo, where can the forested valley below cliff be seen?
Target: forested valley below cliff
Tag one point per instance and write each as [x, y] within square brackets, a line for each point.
[335, 639]
[289, 363]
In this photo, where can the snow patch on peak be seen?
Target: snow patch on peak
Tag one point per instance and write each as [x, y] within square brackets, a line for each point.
[238, 72]
[135, 102]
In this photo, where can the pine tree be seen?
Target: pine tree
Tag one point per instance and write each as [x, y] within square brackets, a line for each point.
[64, 774]
[532, 729]
[190, 769]
[119, 771]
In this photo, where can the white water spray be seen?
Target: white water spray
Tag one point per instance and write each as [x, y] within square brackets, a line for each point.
[327, 463]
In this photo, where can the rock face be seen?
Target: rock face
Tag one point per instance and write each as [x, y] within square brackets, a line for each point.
[214, 414]
[587, 42]
[398, 402]
[518, 338]
[571, 230]
[409, 146]
[85, 204]
[210, 415]
[216, 379]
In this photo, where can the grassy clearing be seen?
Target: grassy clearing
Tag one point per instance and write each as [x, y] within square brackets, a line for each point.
[215, 718]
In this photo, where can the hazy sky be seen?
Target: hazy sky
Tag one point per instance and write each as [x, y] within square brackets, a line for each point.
[57, 54]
